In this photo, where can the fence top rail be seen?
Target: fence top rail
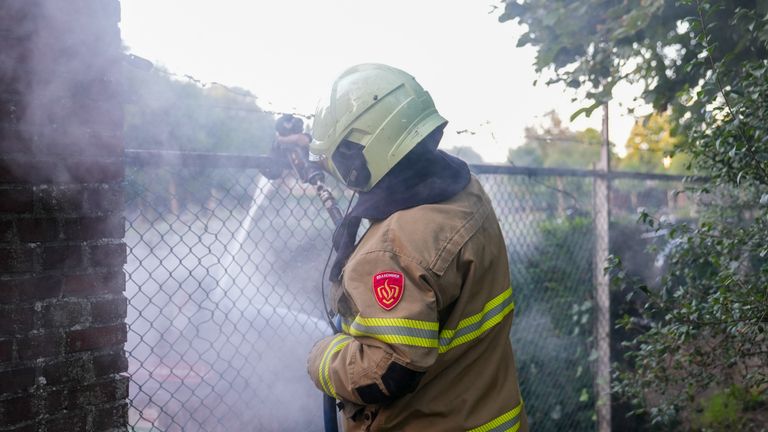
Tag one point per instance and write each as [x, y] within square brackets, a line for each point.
[505, 169]
[167, 158]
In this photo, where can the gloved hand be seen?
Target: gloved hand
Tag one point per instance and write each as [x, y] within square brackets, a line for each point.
[300, 139]
[289, 138]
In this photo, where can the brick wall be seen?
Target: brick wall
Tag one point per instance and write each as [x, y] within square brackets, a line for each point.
[62, 307]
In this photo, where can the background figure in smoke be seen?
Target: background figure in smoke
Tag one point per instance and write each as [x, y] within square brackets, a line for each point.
[424, 296]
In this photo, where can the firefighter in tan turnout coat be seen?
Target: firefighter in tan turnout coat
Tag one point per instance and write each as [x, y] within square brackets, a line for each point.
[424, 294]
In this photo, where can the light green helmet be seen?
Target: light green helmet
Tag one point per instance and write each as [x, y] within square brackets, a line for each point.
[379, 107]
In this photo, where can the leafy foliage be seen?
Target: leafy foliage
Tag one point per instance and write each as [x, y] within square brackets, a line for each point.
[555, 145]
[592, 44]
[650, 147]
[706, 327]
[556, 375]
[728, 137]
[557, 287]
[165, 114]
[703, 331]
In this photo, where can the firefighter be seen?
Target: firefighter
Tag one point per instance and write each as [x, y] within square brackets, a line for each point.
[424, 295]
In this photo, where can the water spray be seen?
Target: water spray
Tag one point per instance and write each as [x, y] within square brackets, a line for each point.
[309, 172]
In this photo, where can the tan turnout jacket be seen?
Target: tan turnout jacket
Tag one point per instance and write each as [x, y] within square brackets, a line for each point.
[427, 288]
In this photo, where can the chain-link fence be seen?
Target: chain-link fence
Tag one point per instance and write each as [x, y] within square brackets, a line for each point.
[224, 288]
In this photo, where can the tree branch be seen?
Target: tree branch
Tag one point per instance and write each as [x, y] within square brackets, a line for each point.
[719, 83]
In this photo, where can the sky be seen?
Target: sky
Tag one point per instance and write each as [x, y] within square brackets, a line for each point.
[288, 53]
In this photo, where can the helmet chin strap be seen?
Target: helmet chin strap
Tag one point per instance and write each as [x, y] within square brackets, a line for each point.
[328, 312]
[351, 164]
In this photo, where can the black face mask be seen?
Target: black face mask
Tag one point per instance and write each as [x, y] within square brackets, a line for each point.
[423, 176]
[350, 163]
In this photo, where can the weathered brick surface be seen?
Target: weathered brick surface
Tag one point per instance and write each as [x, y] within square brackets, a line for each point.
[17, 410]
[103, 227]
[94, 283]
[95, 337]
[30, 289]
[9, 131]
[64, 314]
[78, 369]
[16, 200]
[84, 171]
[107, 199]
[102, 391]
[110, 417]
[109, 310]
[38, 229]
[6, 350]
[108, 255]
[62, 257]
[29, 427]
[62, 307]
[7, 230]
[19, 170]
[16, 320]
[108, 364]
[39, 346]
[59, 201]
[13, 380]
[56, 399]
[76, 421]
[15, 259]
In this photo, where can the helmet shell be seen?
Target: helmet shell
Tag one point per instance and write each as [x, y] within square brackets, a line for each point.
[379, 107]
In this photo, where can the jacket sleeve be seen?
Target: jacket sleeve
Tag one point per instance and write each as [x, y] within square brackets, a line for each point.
[384, 352]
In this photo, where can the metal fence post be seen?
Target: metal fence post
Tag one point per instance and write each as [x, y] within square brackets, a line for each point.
[602, 294]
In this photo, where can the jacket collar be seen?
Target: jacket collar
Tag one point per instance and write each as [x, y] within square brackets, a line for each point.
[424, 176]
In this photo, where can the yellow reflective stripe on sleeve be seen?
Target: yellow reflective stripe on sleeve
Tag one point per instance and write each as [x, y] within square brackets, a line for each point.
[470, 328]
[398, 322]
[427, 334]
[399, 331]
[399, 340]
[336, 344]
[507, 422]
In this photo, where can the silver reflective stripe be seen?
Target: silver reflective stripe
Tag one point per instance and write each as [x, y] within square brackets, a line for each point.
[509, 426]
[400, 331]
[393, 330]
[471, 328]
[507, 422]
[427, 334]
[345, 323]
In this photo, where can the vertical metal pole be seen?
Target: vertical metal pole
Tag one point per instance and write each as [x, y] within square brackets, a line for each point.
[602, 293]
[560, 197]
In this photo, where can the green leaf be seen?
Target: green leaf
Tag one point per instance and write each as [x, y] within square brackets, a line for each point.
[584, 396]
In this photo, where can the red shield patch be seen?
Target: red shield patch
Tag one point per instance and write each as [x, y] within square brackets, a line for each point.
[388, 289]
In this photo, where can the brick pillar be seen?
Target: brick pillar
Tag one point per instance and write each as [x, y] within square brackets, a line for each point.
[62, 307]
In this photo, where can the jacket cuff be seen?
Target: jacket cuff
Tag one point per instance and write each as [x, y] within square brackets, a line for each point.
[315, 358]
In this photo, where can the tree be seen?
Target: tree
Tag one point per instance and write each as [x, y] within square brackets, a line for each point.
[554, 145]
[699, 358]
[162, 113]
[166, 114]
[592, 44]
[650, 147]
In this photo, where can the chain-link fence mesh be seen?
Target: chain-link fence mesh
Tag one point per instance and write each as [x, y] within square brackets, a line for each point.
[224, 288]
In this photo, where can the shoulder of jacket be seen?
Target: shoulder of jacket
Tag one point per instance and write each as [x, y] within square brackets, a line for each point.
[431, 234]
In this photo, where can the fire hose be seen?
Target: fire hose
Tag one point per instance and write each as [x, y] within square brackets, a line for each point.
[311, 173]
